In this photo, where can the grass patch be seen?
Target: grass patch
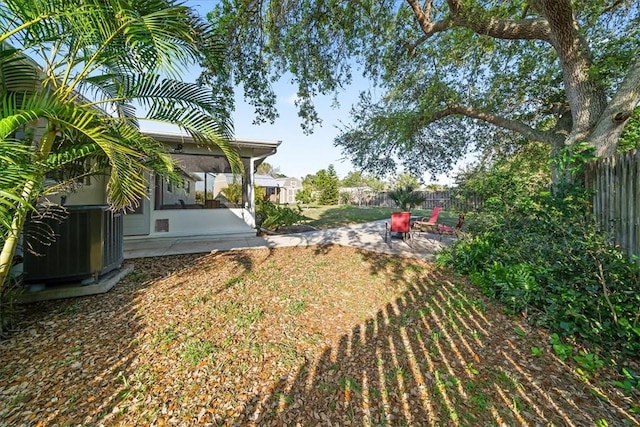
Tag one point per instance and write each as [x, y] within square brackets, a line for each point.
[196, 351]
[232, 282]
[336, 216]
[165, 336]
[297, 307]
[138, 276]
[246, 319]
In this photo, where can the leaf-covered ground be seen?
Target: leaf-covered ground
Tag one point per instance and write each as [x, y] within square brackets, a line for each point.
[328, 336]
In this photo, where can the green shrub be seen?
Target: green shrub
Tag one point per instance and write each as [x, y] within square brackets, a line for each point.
[542, 254]
[272, 216]
[233, 192]
[305, 196]
[515, 285]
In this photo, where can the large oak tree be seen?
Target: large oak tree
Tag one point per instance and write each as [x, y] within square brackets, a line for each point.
[455, 74]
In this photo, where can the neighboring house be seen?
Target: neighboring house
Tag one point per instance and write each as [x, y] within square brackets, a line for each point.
[226, 180]
[270, 186]
[289, 187]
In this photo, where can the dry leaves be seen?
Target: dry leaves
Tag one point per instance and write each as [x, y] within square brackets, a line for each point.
[326, 336]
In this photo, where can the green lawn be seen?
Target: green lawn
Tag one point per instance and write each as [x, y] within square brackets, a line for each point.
[336, 216]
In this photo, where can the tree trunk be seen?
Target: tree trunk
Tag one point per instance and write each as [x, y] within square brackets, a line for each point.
[11, 242]
[586, 98]
[605, 134]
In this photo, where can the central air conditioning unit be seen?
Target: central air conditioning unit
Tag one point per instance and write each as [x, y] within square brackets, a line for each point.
[87, 244]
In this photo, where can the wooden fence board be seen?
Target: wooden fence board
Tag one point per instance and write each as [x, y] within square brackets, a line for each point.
[615, 185]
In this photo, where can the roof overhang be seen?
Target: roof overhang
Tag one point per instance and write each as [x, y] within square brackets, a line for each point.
[265, 181]
[263, 146]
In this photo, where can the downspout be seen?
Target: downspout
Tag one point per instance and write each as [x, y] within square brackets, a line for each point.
[250, 203]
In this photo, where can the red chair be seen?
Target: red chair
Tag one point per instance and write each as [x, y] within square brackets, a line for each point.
[424, 224]
[400, 223]
[445, 229]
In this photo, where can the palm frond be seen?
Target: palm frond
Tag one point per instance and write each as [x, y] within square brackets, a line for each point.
[28, 21]
[126, 184]
[107, 89]
[205, 130]
[70, 154]
[155, 158]
[17, 168]
[169, 46]
[14, 118]
[148, 89]
[189, 118]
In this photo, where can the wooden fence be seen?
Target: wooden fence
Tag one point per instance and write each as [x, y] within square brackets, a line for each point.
[615, 183]
[445, 199]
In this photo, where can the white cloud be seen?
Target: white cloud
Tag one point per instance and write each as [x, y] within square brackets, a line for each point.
[293, 99]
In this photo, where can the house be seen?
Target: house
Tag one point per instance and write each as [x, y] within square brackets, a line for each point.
[89, 242]
[193, 209]
[214, 215]
[289, 187]
[199, 207]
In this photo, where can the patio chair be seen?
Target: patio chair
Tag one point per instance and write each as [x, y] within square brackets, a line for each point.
[400, 223]
[445, 229]
[428, 224]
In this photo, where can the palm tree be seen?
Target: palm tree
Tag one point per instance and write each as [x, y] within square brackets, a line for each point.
[72, 73]
[406, 197]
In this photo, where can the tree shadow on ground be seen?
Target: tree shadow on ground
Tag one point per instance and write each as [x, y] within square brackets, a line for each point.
[434, 356]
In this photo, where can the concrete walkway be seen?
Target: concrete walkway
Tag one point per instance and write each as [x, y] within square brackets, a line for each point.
[368, 236]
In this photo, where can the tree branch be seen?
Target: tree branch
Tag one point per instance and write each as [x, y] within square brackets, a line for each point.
[612, 6]
[516, 126]
[507, 29]
[424, 19]
[613, 119]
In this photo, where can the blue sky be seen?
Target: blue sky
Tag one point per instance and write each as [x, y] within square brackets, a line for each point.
[299, 154]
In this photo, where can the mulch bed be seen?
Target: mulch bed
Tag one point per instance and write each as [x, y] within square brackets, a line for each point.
[329, 336]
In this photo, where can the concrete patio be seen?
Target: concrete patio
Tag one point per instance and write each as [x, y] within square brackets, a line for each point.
[368, 236]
